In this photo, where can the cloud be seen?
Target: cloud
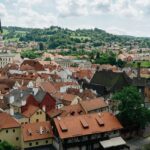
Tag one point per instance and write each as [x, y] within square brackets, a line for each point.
[3, 10]
[71, 8]
[123, 31]
[26, 15]
[28, 3]
[113, 15]
[126, 8]
[34, 19]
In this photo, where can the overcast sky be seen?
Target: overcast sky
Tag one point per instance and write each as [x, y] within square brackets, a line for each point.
[131, 17]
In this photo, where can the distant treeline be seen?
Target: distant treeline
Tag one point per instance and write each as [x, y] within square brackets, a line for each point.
[56, 37]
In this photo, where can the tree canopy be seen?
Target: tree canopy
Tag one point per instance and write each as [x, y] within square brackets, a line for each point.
[6, 146]
[56, 37]
[29, 54]
[131, 108]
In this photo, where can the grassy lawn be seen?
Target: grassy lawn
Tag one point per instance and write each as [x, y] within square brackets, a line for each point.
[81, 37]
[12, 39]
[5, 31]
[144, 64]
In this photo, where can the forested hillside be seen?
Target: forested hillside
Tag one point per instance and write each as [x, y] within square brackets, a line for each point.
[56, 37]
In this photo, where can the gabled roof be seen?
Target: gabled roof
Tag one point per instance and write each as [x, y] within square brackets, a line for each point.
[93, 104]
[48, 87]
[20, 95]
[31, 65]
[111, 80]
[6, 121]
[65, 96]
[30, 111]
[75, 126]
[37, 131]
[72, 110]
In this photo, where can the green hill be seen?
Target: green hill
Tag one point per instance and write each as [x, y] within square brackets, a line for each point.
[56, 37]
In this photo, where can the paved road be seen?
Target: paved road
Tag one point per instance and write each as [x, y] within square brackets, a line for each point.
[138, 143]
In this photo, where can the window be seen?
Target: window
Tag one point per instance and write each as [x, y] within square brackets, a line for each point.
[46, 141]
[17, 138]
[40, 112]
[30, 144]
[115, 132]
[37, 113]
[37, 143]
[37, 120]
[13, 130]
[6, 131]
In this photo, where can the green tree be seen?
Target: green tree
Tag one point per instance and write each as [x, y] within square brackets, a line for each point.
[29, 54]
[47, 59]
[41, 46]
[131, 108]
[6, 146]
[146, 147]
[121, 63]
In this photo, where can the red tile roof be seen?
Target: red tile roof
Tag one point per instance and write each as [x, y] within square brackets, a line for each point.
[37, 131]
[30, 111]
[6, 121]
[93, 104]
[31, 65]
[48, 87]
[74, 126]
[72, 110]
[83, 74]
[54, 113]
[65, 96]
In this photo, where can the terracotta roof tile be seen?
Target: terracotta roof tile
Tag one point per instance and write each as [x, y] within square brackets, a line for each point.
[93, 104]
[48, 87]
[31, 65]
[72, 110]
[65, 96]
[54, 113]
[71, 126]
[6, 121]
[83, 74]
[37, 131]
[30, 110]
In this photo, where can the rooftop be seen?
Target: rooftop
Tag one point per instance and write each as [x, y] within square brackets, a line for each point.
[37, 131]
[74, 126]
[93, 104]
[6, 121]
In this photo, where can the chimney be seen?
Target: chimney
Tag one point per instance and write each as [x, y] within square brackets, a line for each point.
[35, 91]
[21, 94]
[29, 132]
[44, 108]
[11, 111]
[11, 99]
[81, 90]
[23, 102]
[138, 70]
[41, 129]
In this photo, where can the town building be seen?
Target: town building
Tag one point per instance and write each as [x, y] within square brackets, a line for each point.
[87, 131]
[37, 135]
[10, 130]
[105, 82]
